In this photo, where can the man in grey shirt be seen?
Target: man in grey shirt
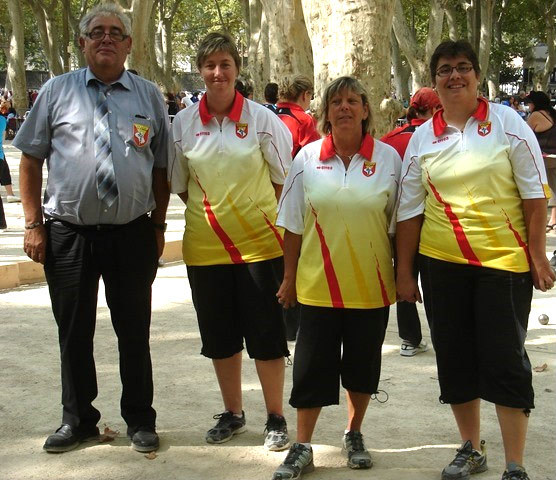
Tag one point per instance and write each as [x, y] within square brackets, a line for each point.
[105, 136]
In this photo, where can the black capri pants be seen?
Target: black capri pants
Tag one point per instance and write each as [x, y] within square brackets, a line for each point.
[334, 343]
[478, 320]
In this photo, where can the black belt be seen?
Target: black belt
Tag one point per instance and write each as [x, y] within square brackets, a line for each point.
[102, 227]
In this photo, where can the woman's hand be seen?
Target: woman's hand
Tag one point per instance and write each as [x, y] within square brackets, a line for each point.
[287, 295]
[407, 289]
[543, 275]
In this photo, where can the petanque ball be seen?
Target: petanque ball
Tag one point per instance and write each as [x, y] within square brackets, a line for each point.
[543, 319]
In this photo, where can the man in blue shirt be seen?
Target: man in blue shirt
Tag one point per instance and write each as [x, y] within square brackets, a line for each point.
[105, 135]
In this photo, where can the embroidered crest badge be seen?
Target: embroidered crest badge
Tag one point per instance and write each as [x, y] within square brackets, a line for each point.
[369, 168]
[140, 134]
[242, 129]
[484, 128]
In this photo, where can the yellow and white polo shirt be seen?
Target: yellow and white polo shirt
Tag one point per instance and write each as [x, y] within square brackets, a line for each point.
[227, 171]
[344, 217]
[470, 185]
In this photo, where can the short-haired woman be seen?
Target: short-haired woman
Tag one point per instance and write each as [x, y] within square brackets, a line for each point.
[473, 202]
[232, 155]
[336, 207]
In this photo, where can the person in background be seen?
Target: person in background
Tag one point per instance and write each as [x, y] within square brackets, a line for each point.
[473, 204]
[422, 106]
[542, 120]
[5, 176]
[271, 96]
[105, 135]
[337, 206]
[295, 94]
[232, 155]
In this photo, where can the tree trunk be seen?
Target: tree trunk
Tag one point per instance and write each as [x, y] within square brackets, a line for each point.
[549, 19]
[401, 71]
[16, 57]
[451, 20]
[487, 10]
[418, 57]
[258, 48]
[44, 16]
[352, 38]
[289, 45]
[141, 57]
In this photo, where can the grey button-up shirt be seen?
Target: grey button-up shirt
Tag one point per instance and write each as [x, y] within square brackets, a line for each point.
[60, 128]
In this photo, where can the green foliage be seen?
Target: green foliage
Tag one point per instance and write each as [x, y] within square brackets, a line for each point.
[196, 18]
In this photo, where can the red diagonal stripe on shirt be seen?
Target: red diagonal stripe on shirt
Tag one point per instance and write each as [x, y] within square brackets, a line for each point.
[518, 238]
[463, 243]
[383, 291]
[220, 233]
[331, 278]
[273, 228]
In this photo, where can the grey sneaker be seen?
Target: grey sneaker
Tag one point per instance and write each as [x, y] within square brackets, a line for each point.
[409, 350]
[466, 463]
[515, 472]
[358, 456]
[228, 425]
[276, 433]
[298, 461]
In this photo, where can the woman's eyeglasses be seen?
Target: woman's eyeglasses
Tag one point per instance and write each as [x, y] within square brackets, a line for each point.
[461, 68]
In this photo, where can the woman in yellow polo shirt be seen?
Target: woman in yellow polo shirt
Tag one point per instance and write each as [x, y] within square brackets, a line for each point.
[232, 156]
[473, 203]
[336, 207]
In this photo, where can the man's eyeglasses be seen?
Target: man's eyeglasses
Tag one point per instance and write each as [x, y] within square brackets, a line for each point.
[461, 68]
[115, 35]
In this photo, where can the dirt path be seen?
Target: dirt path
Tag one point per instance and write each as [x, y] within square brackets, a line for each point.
[411, 437]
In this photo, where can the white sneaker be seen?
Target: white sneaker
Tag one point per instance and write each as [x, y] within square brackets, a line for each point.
[409, 350]
[13, 199]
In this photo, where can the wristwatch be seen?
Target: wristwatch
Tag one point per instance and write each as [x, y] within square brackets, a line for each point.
[30, 226]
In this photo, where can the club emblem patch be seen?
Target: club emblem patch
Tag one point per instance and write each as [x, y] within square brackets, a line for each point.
[369, 168]
[140, 134]
[242, 129]
[484, 128]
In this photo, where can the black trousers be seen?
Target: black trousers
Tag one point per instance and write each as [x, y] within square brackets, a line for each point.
[2, 215]
[409, 325]
[126, 259]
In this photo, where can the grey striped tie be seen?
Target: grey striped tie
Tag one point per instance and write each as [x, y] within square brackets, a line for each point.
[106, 178]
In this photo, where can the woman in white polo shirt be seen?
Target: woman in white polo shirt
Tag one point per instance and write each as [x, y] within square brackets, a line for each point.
[336, 207]
[473, 203]
[232, 156]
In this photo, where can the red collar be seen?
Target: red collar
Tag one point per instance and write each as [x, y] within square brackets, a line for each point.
[327, 150]
[481, 114]
[290, 105]
[417, 121]
[235, 112]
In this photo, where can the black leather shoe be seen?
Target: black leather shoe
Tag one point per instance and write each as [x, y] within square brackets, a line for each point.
[67, 438]
[143, 439]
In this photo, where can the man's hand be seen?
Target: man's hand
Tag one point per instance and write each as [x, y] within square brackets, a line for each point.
[34, 244]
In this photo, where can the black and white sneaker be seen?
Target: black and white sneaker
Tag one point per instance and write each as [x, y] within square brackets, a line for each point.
[358, 456]
[228, 425]
[276, 433]
[298, 461]
[466, 462]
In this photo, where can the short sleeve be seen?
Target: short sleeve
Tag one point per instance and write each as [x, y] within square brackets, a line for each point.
[34, 136]
[411, 198]
[291, 207]
[276, 145]
[526, 157]
[178, 170]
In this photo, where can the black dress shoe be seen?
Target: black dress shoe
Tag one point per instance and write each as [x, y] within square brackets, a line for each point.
[67, 438]
[143, 439]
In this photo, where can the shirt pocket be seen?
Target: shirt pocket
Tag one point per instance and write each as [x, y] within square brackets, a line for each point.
[139, 131]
